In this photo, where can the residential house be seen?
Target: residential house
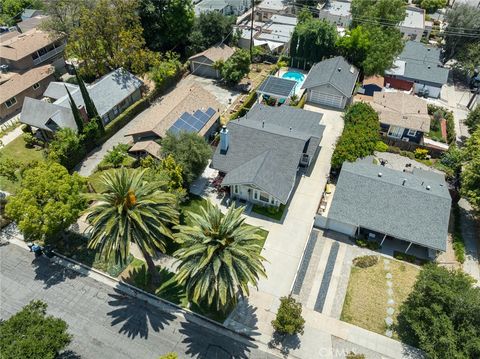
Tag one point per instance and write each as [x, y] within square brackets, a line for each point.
[260, 153]
[331, 82]
[225, 7]
[418, 68]
[14, 87]
[396, 208]
[277, 89]
[413, 27]
[402, 116]
[22, 51]
[474, 3]
[112, 94]
[267, 8]
[31, 23]
[202, 64]
[188, 108]
[336, 12]
[29, 13]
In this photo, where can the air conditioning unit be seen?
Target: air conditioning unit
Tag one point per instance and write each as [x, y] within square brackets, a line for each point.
[405, 139]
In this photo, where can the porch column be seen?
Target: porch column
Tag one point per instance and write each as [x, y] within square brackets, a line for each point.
[381, 243]
[408, 247]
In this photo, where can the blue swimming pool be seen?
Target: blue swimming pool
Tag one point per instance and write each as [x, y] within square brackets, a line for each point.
[296, 76]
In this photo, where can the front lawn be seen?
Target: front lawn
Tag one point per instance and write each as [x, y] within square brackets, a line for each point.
[366, 299]
[270, 212]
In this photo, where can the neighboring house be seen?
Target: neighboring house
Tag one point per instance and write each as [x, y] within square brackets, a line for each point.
[413, 27]
[336, 12]
[186, 108]
[418, 68]
[474, 3]
[112, 94]
[402, 116]
[31, 23]
[331, 82]
[267, 8]
[202, 64]
[392, 206]
[22, 51]
[145, 148]
[29, 13]
[260, 153]
[225, 7]
[14, 87]
[277, 89]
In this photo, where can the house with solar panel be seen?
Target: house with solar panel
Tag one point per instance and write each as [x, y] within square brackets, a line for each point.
[187, 109]
[260, 154]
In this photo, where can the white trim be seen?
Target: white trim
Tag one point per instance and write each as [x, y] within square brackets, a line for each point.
[412, 132]
[36, 85]
[13, 100]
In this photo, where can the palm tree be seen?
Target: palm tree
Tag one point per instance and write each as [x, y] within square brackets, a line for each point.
[219, 256]
[131, 210]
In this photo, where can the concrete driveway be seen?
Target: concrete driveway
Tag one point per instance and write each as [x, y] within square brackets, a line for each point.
[224, 95]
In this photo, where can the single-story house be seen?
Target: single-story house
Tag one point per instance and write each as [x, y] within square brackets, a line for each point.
[112, 94]
[188, 108]
[331, 82]
[225, 7]
[277, 89]
[267, 8]
[202, 64]
[15, 87]
[391, 205]
[402, 116]
[261, 152]
[418, 67]
[336, 12]
[414, 26]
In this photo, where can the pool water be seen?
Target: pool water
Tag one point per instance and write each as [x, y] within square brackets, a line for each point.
[296, 76]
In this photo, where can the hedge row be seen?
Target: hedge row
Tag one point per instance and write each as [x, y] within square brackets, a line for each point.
[360, 135]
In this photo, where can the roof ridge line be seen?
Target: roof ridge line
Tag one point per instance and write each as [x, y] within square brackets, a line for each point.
[277, 134]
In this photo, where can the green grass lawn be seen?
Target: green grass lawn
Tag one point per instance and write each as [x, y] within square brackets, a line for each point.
[270, 212]
[436, 135]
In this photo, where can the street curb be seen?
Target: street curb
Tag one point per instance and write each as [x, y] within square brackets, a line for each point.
[160, 303]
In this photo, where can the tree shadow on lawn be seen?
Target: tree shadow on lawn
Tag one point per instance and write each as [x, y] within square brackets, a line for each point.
[52, 273]
[284, 343]
[137, 316]
[203, 343]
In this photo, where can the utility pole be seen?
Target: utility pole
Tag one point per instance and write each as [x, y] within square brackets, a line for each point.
[251, 32]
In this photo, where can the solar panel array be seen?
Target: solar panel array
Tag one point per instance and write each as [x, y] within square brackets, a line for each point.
[192, 122]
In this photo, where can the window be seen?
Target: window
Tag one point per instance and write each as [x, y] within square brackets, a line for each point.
[264, 197]
[11, 102]
[235, 189]
[255, 194]
[395, 131]
[412, 132]
[36, 86]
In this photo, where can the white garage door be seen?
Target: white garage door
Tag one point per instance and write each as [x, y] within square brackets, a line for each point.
[338, 226]
[326, 99]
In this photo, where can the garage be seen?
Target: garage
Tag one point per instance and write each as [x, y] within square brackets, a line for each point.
[204, 70]
[341, 227]
[330, 100]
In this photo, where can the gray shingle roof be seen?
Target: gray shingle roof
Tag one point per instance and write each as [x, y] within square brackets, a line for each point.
[409, 212]
[57, 90]
[277, 86]
[336, 72]
[420, 62]
[37, 113]
[265, 148]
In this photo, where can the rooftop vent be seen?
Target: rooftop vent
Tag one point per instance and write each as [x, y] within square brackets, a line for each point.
[404, 181]
[379, 174]
[428, 188]
[429, 67]
[339, 69]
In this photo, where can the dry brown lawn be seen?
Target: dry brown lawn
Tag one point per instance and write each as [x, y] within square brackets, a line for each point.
[366, 300]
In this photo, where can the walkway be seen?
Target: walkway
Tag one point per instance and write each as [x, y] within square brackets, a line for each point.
[471, 235]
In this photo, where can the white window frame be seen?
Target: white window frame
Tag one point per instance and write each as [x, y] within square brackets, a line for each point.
[395, 131]
[12, 101]
[412, 132]
[261, 195]
[36, 86]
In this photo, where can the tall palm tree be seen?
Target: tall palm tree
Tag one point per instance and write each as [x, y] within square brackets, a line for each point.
[131, 210]
[219, 256]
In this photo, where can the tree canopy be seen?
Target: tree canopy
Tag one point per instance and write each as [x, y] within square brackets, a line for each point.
[473, 119]
[166, 23]
[32, 334]
[210, 28]
[190, 151]
[236, 67]
[64, 15]
[289, 318]
[11, 10]
[383, 13]
[49, 200]
[431, 6]
[442, 314]
[470, 177]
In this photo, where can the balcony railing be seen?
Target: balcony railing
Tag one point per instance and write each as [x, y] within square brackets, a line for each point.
[49, 55]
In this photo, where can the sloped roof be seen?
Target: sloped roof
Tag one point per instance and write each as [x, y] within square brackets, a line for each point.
[57, 90]
[404, 210]
[31, 23]
[20, 82]
[401, 109]
[216, 53]
[151, 147]
[22, 45]
[336, 72]
[41, 114]
[277, 86]
[265, 148]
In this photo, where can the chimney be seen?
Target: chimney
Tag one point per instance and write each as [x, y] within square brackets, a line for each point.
[83, 113]
[224, 137]
[404, 180]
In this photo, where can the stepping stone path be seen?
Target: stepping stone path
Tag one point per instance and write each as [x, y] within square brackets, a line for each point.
[390, 301]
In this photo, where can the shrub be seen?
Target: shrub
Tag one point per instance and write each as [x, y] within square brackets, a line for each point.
[166, 71]
[26, 128]
[373, 245]
[169, 356]
[116, 155]
[365, 261]
[421, 153]
[361, 242]
[393, 149]
[457, 238]
[29, 139]
[381, 146]
[352, 355]
[289, 317]
[408, 154]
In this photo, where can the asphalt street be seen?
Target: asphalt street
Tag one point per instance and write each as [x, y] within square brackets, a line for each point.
[106, 323]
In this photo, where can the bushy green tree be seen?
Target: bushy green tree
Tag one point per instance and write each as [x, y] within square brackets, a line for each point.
[48, 201]
[441, 315]
[166, 70]
[11, 10]
[360, 134]
[63, 15]
[66, 148]
[473, 120]
[236, 67]
[166, 23]
[32, 334]
[190, 151]
[383, 13]
[210, 28]
[312, 41]
[289, 320]
[219, 257]
[470, 178]
[116, 155]
[431, 6]
[461, 19]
